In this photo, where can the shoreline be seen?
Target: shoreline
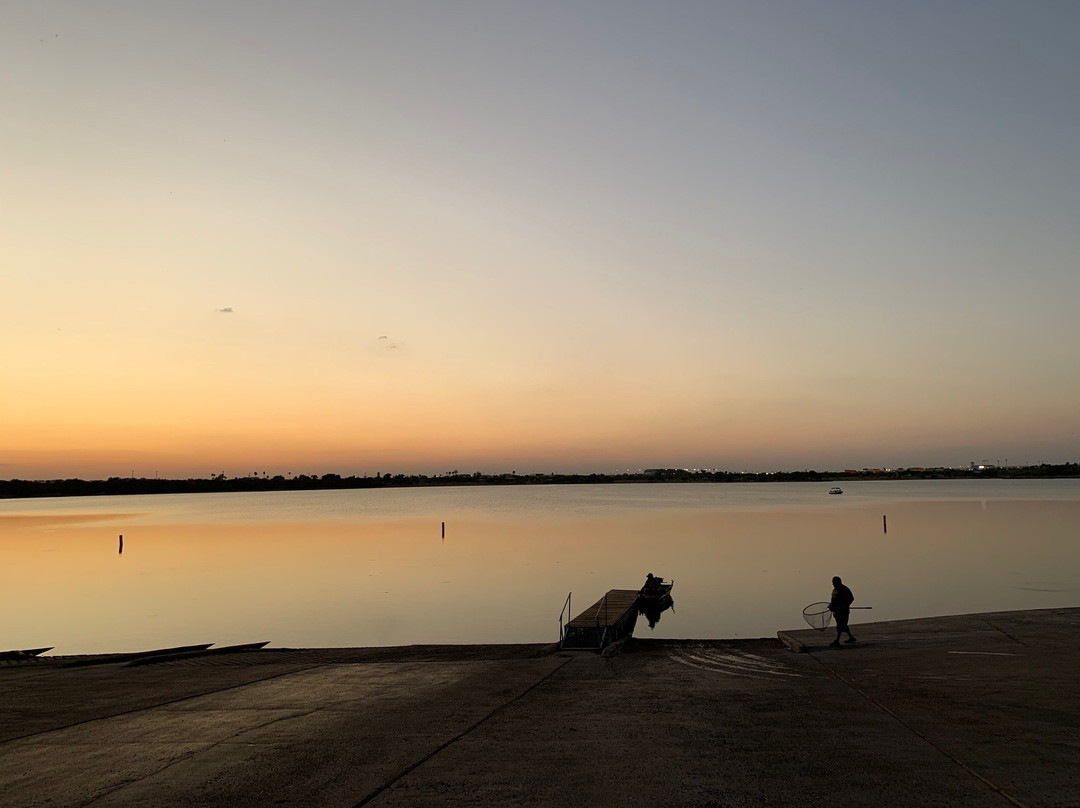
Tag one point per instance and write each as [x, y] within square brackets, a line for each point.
[795, 640]
[129, 486]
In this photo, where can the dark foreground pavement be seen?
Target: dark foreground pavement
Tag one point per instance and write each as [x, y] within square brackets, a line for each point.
[978, 710]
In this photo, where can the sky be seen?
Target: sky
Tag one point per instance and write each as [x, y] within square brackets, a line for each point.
[409, 237]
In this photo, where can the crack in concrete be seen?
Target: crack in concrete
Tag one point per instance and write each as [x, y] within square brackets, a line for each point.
[413, 766]
[161, 704]
[1003, 631]
[914, 731]
[195, 752]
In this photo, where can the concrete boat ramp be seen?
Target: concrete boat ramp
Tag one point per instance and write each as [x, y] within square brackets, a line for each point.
[976, 710]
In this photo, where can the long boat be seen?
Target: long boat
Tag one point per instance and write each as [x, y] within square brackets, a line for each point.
[28, 653]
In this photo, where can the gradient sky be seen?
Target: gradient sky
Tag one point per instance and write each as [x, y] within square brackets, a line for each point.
[416, 236]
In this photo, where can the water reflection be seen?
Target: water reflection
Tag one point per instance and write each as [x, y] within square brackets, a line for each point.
[335, 574]
[654, 598]
[652, 608]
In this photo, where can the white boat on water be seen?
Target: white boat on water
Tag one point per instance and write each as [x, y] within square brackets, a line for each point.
[836, 490]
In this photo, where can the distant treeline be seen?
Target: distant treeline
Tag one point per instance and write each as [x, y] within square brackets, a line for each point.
[220, 483]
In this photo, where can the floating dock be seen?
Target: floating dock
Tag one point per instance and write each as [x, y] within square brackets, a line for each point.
[610, 619]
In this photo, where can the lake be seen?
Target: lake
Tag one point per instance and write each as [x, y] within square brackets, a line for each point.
[371, 567]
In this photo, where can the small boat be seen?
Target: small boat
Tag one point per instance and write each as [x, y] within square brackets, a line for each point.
[836, 490]
[657, 589]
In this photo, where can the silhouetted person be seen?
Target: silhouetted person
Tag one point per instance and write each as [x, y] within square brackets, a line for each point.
[651, 584]
[840, 606]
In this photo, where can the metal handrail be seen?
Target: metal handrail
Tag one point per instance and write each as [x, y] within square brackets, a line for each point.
[601, 637]
[565, 610]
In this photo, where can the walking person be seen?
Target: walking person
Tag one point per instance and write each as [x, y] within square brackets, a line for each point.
[840, 606]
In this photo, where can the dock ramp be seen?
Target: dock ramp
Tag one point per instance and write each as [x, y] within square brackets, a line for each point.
[610, 619]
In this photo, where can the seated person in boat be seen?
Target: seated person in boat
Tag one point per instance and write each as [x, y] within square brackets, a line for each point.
[652, 584]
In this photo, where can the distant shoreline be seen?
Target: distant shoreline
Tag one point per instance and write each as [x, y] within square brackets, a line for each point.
[126, 486]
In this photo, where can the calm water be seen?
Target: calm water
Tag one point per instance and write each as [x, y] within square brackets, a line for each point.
[372, 568]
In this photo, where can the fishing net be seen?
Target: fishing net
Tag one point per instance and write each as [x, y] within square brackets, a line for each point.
[818, 615]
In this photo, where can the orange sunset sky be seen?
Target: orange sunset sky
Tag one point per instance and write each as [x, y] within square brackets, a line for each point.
[412, 237]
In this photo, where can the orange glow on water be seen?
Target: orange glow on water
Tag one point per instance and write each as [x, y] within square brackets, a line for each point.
[395, 580]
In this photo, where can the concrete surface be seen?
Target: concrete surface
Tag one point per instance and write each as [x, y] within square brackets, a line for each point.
[977, 710]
